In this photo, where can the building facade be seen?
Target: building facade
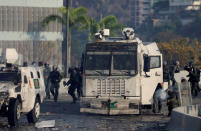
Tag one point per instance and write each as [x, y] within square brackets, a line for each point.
[21, 28]
[177, 5]
[139, 11]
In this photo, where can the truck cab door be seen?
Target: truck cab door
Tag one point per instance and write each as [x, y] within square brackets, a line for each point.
[151, 78]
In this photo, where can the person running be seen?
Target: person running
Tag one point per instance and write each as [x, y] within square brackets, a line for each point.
[55, 78]
[79, 82]
[73, 84]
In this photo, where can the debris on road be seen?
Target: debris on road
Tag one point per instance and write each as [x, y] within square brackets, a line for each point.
[55, 129]
[43, 124]
[47, 113]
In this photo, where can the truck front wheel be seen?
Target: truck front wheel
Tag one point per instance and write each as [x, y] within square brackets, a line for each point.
[33, 115]
[14, 111]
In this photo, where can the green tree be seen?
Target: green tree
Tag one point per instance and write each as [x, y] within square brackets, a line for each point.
[181, 49]
[78, 19]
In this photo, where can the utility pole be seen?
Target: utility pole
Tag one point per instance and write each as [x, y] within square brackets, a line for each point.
[67, 52]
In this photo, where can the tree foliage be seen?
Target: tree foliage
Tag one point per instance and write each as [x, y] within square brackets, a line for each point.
[80, 21]
[181, 49]
[77, 17]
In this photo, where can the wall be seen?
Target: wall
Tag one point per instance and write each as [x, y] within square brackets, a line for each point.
[21, 28]
[185, 119]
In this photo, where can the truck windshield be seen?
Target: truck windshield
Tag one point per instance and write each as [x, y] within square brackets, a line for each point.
[113, 63]
[97, 64]
[111, 58]
[124, 64]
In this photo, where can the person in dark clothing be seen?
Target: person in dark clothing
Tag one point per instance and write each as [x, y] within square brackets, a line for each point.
[166, 73]
[46, 74]
[197, 79]
[193, 78]
[172, 101]
[174, 69]
[73, 84]
[79, 82]
[55, 78]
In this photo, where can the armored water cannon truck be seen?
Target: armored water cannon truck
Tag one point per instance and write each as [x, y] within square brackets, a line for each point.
[120, 75]
[22, 89]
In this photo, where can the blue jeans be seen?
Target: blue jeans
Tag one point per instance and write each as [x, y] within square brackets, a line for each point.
[47, 88]
[54, 89]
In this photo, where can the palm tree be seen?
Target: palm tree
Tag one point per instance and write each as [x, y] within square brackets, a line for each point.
[77, 19]
[108, 22]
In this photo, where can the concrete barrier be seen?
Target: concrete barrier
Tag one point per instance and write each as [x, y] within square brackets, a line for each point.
[185, 119]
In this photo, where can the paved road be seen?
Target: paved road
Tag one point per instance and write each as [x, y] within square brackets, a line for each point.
[68, 118]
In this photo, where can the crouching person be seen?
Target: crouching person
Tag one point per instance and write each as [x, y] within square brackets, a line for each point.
[159, 97]
[172, 101]
[173, 96]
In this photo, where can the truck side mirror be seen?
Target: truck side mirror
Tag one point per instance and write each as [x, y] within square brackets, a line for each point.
[146, 63]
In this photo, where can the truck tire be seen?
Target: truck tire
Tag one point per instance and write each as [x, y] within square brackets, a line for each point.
[14, 112]
[33, 115]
